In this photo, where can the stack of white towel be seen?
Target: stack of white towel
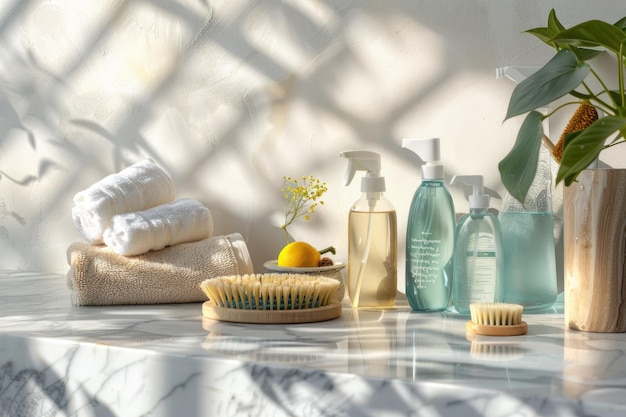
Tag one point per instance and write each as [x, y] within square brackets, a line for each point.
[133, 212]
[144, 247]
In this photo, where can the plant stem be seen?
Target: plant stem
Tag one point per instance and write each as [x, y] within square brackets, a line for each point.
[604, 87]
[615, 142]
[569, 103]
[620, 72]
[599, 102]
[328, 249]
[286, 234]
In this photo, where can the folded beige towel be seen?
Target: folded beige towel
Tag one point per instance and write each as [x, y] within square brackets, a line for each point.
[98, 276]
[181, 221]
[138, 187]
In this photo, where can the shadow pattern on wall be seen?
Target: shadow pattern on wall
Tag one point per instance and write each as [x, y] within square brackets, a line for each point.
[228, 98]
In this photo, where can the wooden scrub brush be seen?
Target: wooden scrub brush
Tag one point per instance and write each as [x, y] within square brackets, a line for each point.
[271, 298]
[496, 319]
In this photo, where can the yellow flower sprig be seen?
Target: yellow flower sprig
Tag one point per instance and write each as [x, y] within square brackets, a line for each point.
[302, 196]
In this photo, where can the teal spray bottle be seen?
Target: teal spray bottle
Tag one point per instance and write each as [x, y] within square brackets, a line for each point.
[372, 236]
[478, 253]
[430, 233]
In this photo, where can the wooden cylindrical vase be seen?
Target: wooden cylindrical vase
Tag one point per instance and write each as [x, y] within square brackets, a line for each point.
[594, 210]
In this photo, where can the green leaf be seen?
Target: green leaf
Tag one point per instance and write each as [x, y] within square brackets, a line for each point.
[581, 96]
[518, 168]
[616, 97]
[621, 23]
[593, 33]
[613, 95]
[543, 34]
[588, 54]
[554, 26]
[547, 34]
[580, 149]
[559, 76]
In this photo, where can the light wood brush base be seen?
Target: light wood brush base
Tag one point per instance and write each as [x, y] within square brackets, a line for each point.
[305, 315]
[492, 330]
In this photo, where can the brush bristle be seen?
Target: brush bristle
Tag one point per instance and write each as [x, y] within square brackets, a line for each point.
[496, 314]
[270, 291]
[495, 352]
[582, 118]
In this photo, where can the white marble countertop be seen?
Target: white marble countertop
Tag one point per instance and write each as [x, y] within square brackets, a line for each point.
[57, 359]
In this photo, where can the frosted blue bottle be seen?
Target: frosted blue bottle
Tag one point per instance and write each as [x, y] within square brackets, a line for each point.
[478, 262]
[430, 233]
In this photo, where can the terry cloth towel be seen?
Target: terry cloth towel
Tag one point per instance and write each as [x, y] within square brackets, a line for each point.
[135, 188]
[98, 276]
[181, 221]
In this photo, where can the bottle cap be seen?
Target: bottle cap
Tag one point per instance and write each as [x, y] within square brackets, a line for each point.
[478, 199]
[428, 150]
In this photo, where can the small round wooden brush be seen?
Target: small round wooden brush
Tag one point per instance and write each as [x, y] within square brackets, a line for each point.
[496, 319]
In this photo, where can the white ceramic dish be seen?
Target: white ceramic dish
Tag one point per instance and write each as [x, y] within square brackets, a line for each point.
[273, 266]
[331, 271]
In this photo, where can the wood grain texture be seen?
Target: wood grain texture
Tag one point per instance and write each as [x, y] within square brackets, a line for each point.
[594, 244]
[306, 315]
[496, 330]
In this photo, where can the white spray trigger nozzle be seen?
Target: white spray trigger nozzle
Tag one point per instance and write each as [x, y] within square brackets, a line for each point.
[360, 161]
[369, 162]
[478, 198]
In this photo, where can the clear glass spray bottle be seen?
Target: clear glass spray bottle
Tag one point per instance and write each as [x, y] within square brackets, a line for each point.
[372, 240]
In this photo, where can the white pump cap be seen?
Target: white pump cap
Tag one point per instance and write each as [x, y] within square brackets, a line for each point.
[478, 199]
[367, 161]
[428, 151]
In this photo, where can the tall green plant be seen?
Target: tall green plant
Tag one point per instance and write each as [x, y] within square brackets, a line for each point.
[566, 74]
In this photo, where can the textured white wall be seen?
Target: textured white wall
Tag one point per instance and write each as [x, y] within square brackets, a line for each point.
[231, 95]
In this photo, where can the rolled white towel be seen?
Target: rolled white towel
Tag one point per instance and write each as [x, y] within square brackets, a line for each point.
[138, 187]
[181, 221]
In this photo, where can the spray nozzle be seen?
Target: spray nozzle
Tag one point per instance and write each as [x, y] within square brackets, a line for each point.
[372, 183]
[478, 198]
[428, 150]
[361, 161]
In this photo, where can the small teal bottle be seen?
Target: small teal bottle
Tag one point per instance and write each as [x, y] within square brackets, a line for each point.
[478, 253]
[430, 233]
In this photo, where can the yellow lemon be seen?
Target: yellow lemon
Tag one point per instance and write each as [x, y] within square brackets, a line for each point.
[299, 255]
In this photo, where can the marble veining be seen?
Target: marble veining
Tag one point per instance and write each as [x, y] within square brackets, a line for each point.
[60, 360]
